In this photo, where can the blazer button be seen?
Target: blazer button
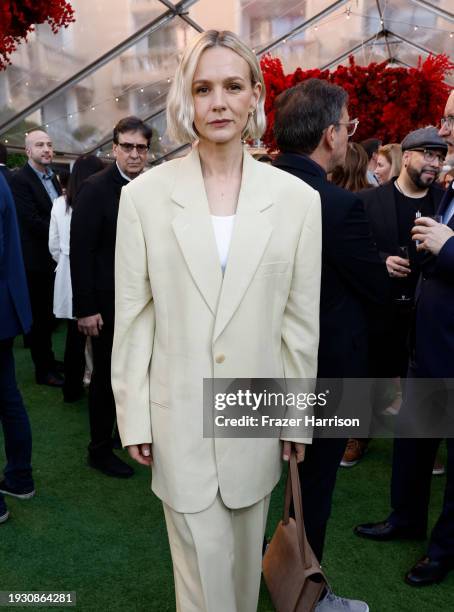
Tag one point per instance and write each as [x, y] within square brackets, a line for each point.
[220, 358]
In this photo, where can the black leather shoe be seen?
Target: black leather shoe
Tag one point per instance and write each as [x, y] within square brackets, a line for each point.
[108, 463]
[385, 531]
[51, 379]
[71, 396]
[428, 571]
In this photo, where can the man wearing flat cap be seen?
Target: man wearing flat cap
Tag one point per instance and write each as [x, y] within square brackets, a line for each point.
[392, 209]
[429, 393]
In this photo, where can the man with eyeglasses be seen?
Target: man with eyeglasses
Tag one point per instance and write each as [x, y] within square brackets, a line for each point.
[312, 128]
[92, 254]
[428, 393]
[392, 209]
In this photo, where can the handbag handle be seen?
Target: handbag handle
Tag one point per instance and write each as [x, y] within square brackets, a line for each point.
[293, 492]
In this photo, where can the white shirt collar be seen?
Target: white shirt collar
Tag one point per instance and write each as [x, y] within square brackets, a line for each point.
[127, 178]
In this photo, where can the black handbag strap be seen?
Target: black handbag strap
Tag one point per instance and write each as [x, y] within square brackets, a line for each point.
[293, 492]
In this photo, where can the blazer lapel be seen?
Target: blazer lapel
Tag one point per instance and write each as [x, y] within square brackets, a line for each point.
[446, 200]
[251, 234]
[194, 232]
[388, 207]
[56, 184]
[38, 185]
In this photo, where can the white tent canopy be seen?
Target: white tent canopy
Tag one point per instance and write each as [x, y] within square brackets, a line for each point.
[119, 56]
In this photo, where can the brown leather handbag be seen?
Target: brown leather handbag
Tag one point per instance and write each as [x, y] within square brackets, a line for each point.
[289, 562]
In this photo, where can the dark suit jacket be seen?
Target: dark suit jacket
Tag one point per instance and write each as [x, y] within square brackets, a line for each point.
[92, 249]
[380, 205]
[434, 330]
[353, 277]
[15, 312]
[33, 206]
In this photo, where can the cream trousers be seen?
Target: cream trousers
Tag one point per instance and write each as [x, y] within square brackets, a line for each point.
[217, 556]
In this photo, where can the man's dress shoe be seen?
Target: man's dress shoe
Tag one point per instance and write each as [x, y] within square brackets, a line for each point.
[385, 531]
[428, 571]
[51, 379]
[108, 463]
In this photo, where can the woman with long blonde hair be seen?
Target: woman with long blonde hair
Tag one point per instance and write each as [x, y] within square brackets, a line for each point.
[389, 162]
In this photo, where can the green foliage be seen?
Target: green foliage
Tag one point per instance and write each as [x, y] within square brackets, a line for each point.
[16, 160]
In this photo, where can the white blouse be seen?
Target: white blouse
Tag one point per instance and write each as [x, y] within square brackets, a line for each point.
[223, 229]
[60, 223]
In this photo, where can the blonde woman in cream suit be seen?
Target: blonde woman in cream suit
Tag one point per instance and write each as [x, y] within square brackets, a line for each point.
[217, 274]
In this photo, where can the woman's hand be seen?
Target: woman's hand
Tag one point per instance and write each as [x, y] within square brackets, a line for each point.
[300, 449]
[141, 453]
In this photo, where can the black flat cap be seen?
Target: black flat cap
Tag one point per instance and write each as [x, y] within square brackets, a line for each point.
[424, 138]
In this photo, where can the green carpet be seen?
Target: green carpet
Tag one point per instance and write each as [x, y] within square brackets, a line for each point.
[106, 539]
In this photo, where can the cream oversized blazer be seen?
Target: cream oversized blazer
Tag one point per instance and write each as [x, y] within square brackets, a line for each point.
[178, 320]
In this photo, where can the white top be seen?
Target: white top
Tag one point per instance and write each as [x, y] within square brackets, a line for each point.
[60, 222]
[223, 229]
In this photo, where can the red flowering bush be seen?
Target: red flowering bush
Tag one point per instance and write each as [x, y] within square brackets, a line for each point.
[389, 102]
[18, 17]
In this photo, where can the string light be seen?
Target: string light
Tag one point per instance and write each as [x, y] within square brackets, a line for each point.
[348, 13]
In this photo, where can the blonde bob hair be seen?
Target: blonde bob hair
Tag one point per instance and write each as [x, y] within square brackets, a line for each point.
[180, 105]
[393, 154]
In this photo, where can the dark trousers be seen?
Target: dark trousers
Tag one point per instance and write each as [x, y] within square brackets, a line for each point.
[318, 477]
[74, 360]
[15, 423]
[101, 403]
[41, 290]
[413, 460]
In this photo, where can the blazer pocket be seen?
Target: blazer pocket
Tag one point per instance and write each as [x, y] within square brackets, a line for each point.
[275, 267]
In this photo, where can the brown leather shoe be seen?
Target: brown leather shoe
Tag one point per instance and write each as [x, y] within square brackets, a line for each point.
[354, 452]
[51, 379]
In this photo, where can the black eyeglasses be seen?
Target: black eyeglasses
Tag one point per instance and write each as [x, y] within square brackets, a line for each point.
[128, 147]
[431, 156]
[447, 121]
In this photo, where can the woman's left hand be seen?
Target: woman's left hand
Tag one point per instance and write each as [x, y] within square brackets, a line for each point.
[300, 449]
